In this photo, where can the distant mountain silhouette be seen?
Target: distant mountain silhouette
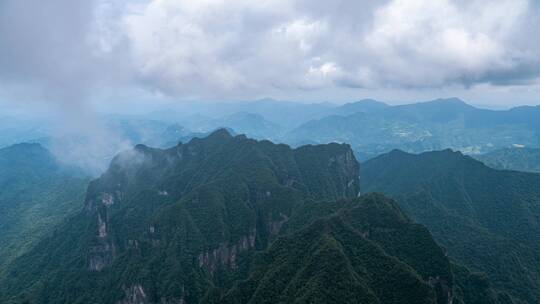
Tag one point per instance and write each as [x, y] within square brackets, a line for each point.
[419, 127]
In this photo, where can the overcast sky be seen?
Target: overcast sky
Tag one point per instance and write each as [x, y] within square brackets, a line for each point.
[72, 52]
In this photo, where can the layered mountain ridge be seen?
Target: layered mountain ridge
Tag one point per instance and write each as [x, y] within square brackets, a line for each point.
[371, 128]
[420, 127]
[228, 219]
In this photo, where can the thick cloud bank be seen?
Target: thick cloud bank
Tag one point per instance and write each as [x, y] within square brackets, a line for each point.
[240, 48]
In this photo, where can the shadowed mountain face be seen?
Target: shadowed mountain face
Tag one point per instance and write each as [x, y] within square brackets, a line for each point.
[487, 219]
[36, 194]
[517, 158]
[232, 220]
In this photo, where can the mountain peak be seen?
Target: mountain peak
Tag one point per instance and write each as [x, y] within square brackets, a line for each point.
[364, 105]
[141, 147]
[398, 152]
[221, 133]
[440, 154]
[24, 146]
[32, 156]
[436, 163]
[452, 101]
[368, 100]
[265, 99]
[26, 151]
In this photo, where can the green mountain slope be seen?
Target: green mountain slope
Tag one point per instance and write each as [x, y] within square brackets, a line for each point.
[178, 218]
[488, 220]
[519, 159]
[36, 194]
[230, 219]
[362, 251]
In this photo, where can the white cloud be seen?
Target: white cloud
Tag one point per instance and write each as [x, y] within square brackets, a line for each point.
[435, 42]
[218, 47]
[240, 48]
[304, 32]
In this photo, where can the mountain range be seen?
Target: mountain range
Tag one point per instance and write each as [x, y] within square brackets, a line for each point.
[371, 127]
[197, 214]
[228, 219]
[419, 127]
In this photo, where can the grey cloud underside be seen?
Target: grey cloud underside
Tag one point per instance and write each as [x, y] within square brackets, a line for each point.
[244, 49]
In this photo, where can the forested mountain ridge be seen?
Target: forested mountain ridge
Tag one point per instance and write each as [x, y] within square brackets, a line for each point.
[210, 199]
[207, 221]
[357, 251]
[36, 194]
[488, 220]
[515, 158]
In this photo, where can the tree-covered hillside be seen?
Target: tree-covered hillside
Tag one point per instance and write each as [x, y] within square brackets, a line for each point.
[356, 251]
[231, 219]
[486, 219]
[191, 209]
[516, 158]
[36, 194]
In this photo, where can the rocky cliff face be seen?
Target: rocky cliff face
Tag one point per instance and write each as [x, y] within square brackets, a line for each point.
[226, 254]
[356, 251]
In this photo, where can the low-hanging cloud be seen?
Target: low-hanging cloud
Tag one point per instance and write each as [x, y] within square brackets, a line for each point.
[52, 55]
